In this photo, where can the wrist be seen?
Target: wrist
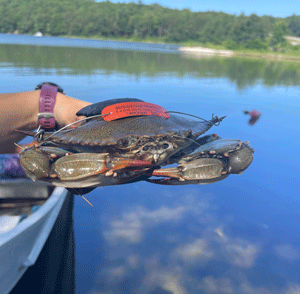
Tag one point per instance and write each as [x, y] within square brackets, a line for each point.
[66, 108]
[47, 101]
[32, 100]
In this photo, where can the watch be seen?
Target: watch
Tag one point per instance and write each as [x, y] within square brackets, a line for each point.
[46, 119]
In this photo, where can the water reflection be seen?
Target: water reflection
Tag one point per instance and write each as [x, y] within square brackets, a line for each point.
[92, 61]
[186, 247]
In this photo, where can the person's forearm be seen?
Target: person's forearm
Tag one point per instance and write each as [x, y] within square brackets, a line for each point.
[20, 111]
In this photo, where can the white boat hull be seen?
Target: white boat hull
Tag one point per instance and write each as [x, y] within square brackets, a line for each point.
[21, 246]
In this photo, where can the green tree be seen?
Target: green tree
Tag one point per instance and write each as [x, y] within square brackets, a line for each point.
[248, 28]
[279, 30]
[294, 25]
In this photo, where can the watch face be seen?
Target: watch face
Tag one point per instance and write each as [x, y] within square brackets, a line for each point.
[59, 89]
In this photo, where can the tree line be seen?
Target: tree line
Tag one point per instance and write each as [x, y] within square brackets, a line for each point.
[136, 20]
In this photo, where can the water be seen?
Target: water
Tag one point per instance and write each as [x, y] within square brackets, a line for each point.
[83, 43]
[240, 235]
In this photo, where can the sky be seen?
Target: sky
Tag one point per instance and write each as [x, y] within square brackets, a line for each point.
[276, 8]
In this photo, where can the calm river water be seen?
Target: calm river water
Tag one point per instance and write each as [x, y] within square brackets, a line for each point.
[240, 235]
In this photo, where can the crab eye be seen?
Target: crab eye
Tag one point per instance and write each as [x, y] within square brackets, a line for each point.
[165, 146]
[124, 142]
[188, 134]
[145, 148]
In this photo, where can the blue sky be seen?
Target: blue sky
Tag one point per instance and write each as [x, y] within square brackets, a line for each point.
[276, 8]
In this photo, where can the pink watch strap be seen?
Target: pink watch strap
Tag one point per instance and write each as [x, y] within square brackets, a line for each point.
[46, 117]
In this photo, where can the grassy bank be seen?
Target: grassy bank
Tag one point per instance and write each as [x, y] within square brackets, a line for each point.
[269, 55]
[125, 39]
[284, 51]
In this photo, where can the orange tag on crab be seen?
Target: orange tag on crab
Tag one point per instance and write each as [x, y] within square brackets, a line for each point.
[126, 109]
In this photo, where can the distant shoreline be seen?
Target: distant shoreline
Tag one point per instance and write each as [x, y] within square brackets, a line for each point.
[200, 51]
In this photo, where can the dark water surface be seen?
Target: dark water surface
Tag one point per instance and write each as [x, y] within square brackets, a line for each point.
[240, 235]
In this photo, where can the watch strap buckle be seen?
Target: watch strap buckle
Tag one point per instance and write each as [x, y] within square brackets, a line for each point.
[46, 115]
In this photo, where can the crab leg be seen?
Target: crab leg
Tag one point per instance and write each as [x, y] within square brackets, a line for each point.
[175, 158]
[209, 163]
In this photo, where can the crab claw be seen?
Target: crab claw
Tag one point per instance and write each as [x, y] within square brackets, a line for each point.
[236, 155]
[35, 163]
[79, 170]
[209, 163]
[199, 171]
[83, 165]
[240, 159]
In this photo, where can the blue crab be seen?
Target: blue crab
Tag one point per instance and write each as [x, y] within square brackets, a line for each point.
[103, 153]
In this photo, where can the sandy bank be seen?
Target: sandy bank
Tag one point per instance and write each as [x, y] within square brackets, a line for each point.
[205, 51]
[293, 40]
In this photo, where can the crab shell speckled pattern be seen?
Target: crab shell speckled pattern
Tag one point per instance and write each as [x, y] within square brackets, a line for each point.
[146, 138]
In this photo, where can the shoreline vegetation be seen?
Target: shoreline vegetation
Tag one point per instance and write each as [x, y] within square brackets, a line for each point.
[191, 49]
[198, 34]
